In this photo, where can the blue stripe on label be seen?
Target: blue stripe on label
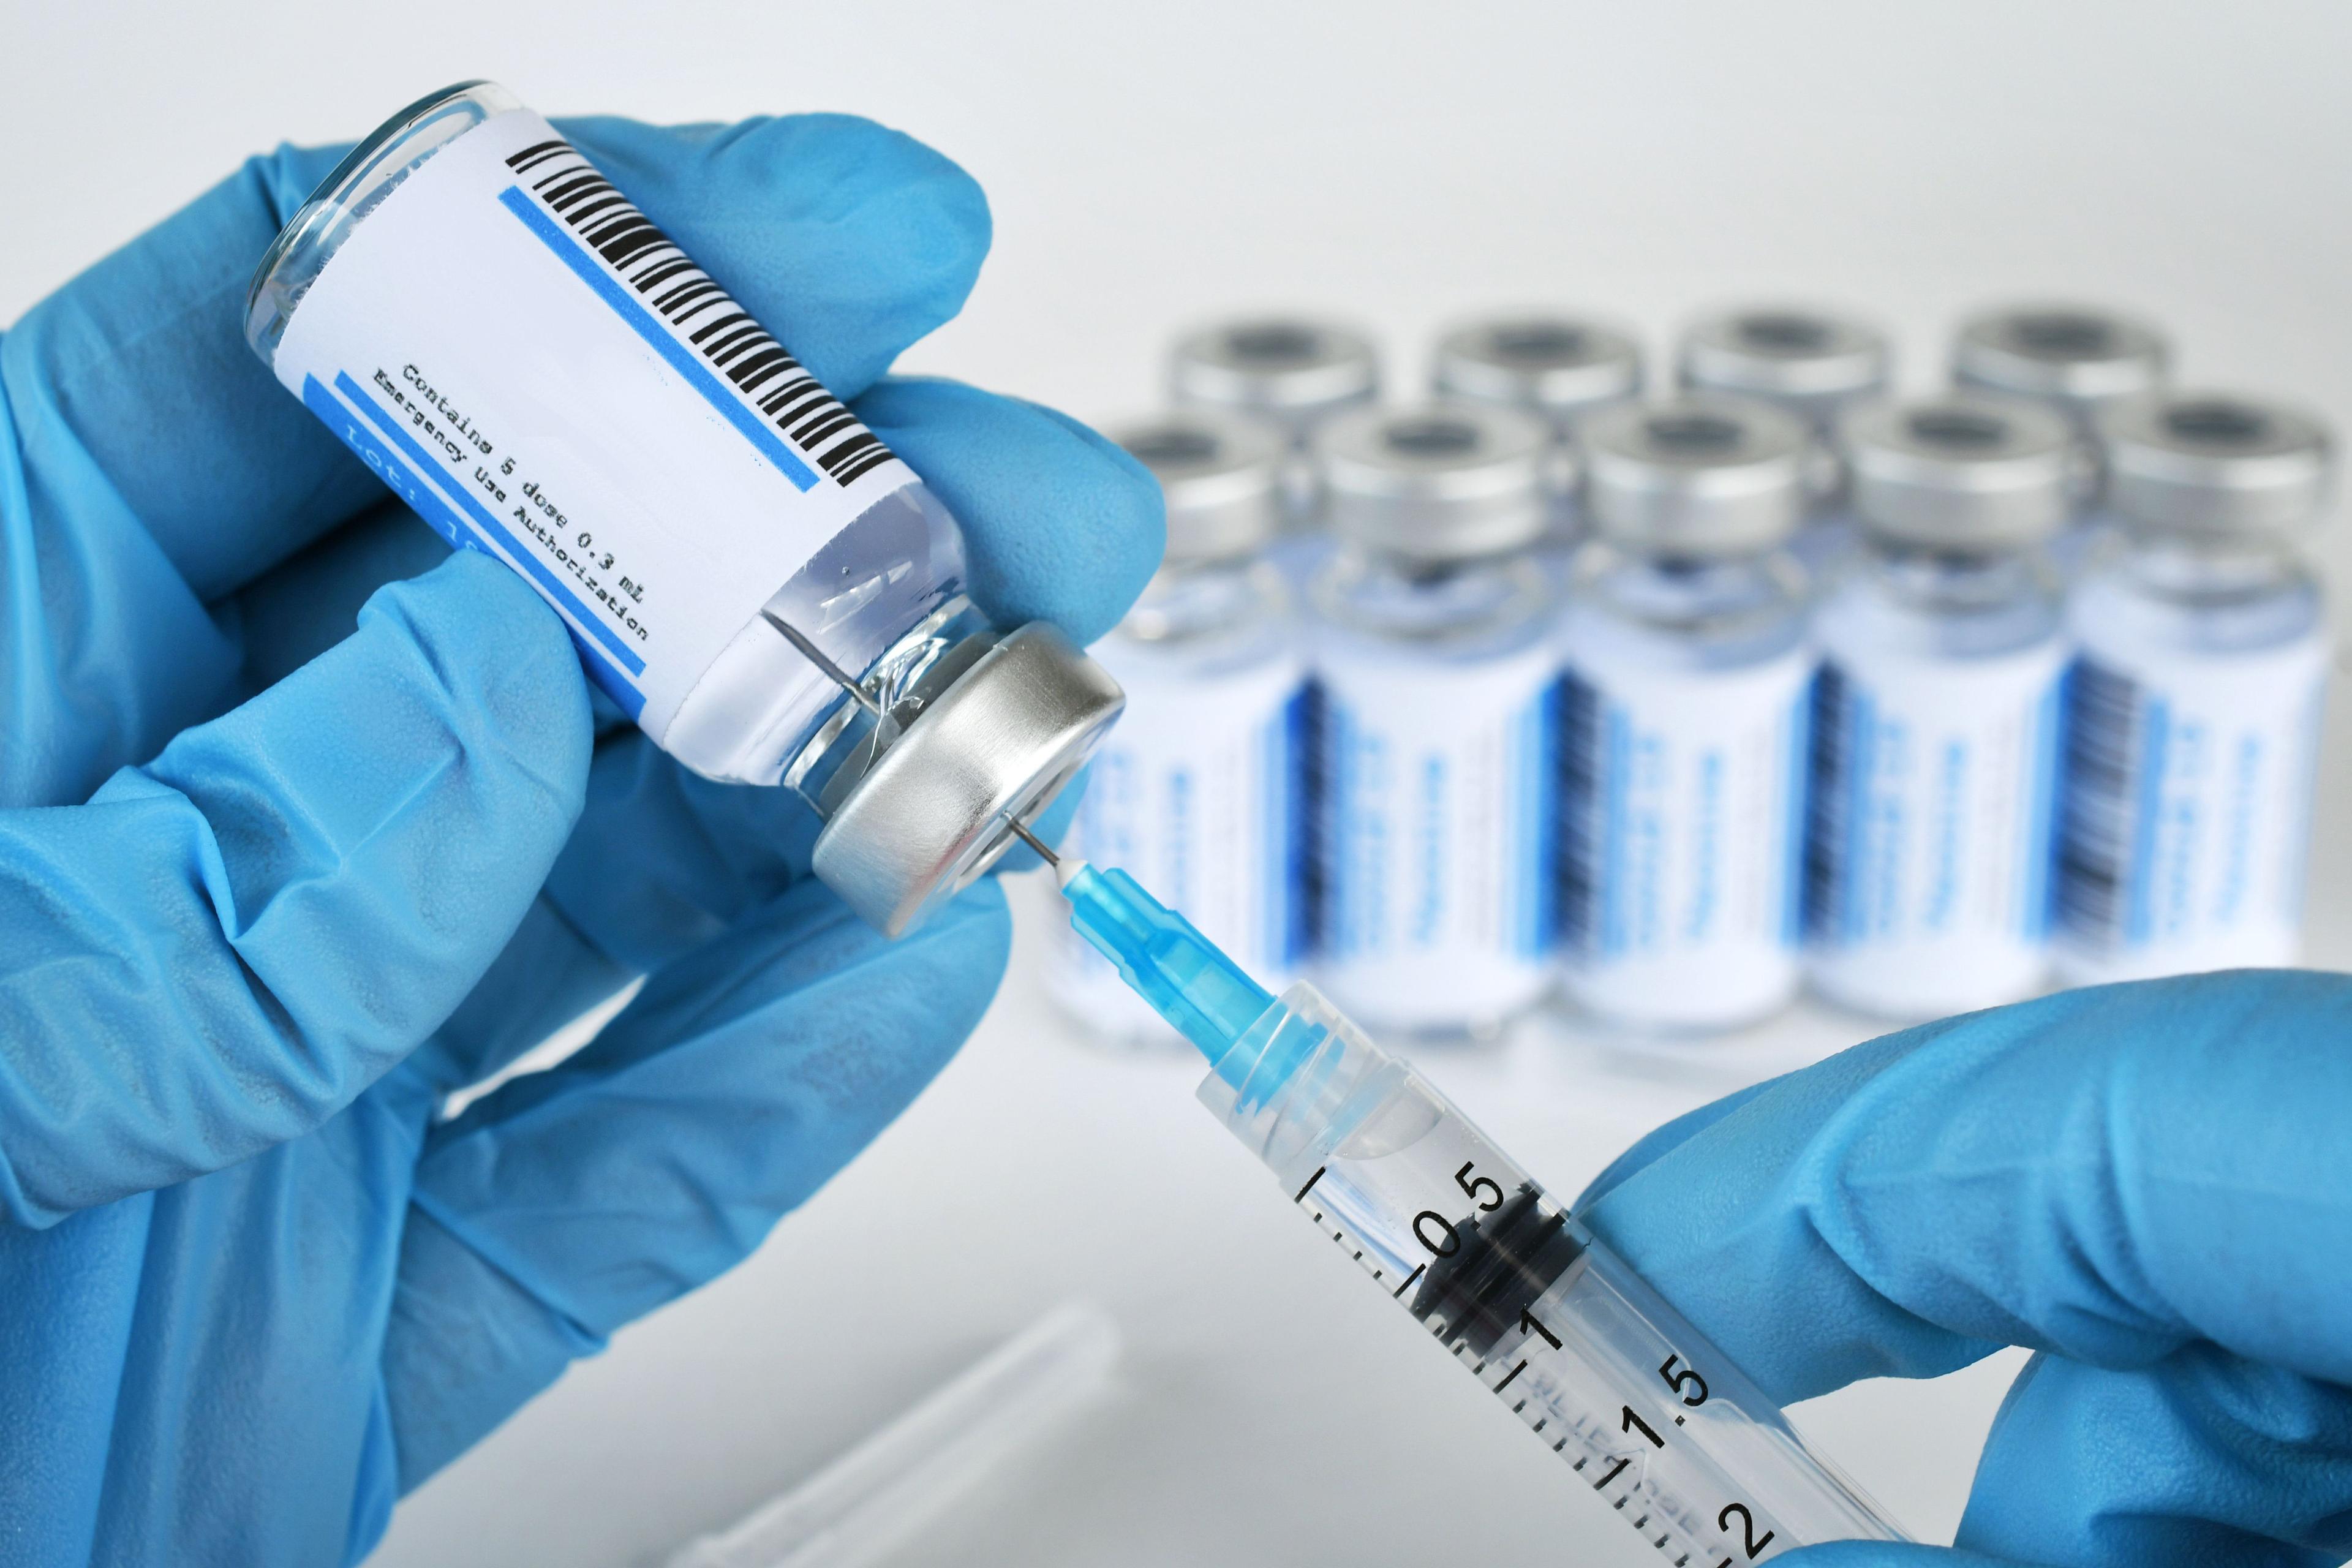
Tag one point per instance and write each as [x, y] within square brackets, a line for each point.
[541, 573]
[1616, 764]
[2155, 756]
[404, 481]
[1520, 853]
[445, 520]
[2041, 820]
[1861, 805]
[647, 326]
[1796, 739]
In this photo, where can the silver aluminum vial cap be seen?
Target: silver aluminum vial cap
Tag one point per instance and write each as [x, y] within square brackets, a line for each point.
[930, 815]
[1222, 479]
[1959, 473]
[1697, 475]
[1442, 482]
[1554, 366]
[1293, 369]
[1814, 363]
[2079, 357]
[2215, 464]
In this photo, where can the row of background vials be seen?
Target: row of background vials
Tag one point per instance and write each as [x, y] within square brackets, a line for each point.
[1678, 702]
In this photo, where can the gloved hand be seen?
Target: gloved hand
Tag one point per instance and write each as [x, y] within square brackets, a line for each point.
[249, 1291]
[2149, 1185]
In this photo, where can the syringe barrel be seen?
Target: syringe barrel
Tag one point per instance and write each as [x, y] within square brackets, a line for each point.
[1573, 1342]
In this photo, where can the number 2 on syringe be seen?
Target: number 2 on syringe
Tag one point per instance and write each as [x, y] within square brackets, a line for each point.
[1687, 1382]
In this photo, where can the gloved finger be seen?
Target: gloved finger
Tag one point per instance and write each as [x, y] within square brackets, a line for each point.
[1059, 523]
[686, 873]
[224, 946]
[2098, 1173]
[2202, 1458]
[572, 1201]
[849, 240]
[1665, 1140]
[1886, 1554]
[662, 861]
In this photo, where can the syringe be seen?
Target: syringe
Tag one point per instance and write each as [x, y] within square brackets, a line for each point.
[1612, 1379]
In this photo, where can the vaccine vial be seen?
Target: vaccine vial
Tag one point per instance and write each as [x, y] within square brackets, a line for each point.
[2194, 705]
[1199, 790]
[2075, 360]
[547, 378]
[1559, 368]
[1432, 659]
[1936, 715]
[1294, 373]
[1683, 718]
[1817, 366]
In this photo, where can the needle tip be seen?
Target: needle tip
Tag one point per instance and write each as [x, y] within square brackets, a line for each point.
[1021, 831]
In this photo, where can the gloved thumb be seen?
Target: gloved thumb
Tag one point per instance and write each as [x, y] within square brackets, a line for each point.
[224, 947]
[1886, 1554]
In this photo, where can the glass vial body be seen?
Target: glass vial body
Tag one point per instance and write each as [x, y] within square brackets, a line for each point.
[2076, 361]
[1295, 373]
[1436, 682]
[1683, 722]
[1560, 369]
[1936, 718]
[1200, 791]
[2195, 703]
[1813, 364]
[747, 572]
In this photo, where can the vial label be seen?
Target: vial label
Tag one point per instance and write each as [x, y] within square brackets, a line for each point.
[546, 378]
[1928, 847]
[2186, 808]
[1680, 827]
[1197, 792]
[1434, 835]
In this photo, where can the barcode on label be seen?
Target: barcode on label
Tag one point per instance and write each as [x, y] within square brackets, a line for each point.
[718, 331]
[1831, 804]
[1576, 878]
[2098, 818]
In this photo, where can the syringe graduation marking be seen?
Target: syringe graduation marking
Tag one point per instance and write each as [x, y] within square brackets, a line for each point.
[1489, 1285]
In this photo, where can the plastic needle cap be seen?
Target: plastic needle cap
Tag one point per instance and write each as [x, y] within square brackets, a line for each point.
[1168, 964]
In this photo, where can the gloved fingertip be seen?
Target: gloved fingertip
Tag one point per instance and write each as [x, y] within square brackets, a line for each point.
[508, 681]
[1665, 1140]
[1061, 525]
[1884, 1555]
[848, 239]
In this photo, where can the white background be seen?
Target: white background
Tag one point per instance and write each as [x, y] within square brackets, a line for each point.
[1148, 165]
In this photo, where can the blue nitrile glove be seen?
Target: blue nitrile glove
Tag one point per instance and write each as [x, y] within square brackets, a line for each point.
[249, 1291]
[2149, 1185]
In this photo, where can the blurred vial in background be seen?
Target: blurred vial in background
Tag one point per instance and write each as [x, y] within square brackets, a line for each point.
[1431, 653]
[1937, 711]
[2194, 707]
[1292, 372]
[1683, 718]
[1198, 792]
[1559, 368]
[1817, 366]
[2075, 360]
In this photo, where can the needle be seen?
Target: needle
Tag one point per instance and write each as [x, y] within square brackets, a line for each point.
[1031, 840]
[816, 656]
